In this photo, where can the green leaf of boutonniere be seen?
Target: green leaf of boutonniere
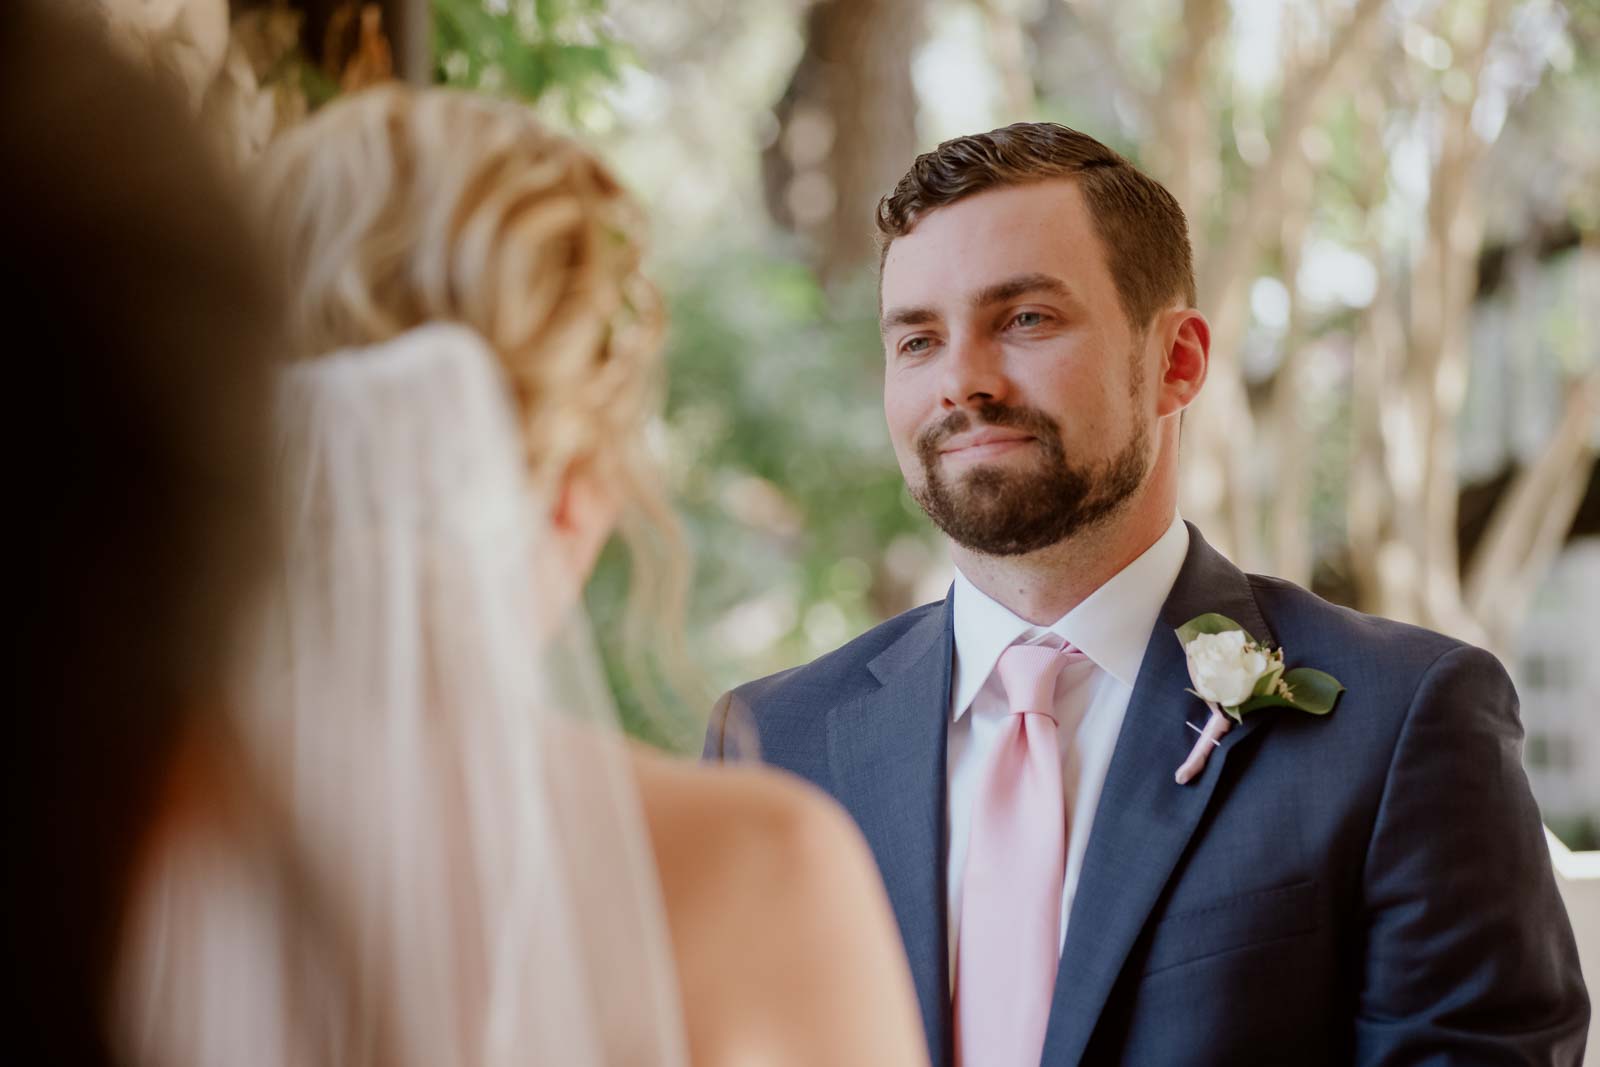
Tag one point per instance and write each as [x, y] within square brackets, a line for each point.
[1312, 690]
[1210, 623]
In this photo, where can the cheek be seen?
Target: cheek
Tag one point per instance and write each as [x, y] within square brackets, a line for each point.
[1109, 422]
[904, 418]
[900, 411]
[1093, 413]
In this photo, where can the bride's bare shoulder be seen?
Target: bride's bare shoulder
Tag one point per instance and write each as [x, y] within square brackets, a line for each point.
[738, 809]
[779, 920]
[736, 840]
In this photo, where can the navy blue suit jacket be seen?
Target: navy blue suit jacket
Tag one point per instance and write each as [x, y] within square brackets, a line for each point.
[1371, 886]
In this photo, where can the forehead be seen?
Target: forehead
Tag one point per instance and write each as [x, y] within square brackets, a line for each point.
[956, 250]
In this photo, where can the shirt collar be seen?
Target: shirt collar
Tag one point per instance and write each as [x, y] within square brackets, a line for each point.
[1111, 626]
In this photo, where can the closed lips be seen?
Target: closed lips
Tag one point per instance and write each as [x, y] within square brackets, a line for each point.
[987, 441]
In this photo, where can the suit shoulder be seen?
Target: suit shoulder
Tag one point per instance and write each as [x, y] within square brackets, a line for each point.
[1317, 631]
[840, 670]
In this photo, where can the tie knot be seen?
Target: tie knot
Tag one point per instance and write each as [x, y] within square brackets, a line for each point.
[1028, 674]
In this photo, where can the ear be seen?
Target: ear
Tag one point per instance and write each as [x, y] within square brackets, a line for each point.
[1185, 357]
[569, 505]
[582, 516]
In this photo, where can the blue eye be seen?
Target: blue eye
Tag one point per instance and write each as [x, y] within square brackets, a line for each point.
[1027, 318]
[916, 345]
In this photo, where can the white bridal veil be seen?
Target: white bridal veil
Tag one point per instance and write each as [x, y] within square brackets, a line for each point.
[448, 864]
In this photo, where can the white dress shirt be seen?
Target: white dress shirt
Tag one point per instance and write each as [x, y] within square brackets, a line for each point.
[1111, 627]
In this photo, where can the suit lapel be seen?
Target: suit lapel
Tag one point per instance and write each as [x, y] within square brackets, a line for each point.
[886, 750]
[1145, 820]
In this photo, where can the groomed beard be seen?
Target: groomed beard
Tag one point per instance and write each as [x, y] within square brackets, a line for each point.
[1000, 511]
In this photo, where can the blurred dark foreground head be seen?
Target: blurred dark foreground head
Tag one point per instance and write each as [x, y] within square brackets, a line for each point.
[137, 323]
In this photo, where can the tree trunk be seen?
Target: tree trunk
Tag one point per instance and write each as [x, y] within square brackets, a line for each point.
[1008, 53]
[1291, 416]
[1185, 149]
[1219, 450]
[1443, 283]
[1379, 341]
[847, 127]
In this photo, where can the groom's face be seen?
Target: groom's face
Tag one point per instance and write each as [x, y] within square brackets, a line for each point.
[1014, 384]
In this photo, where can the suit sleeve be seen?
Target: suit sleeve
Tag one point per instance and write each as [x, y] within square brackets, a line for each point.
[1469, 956]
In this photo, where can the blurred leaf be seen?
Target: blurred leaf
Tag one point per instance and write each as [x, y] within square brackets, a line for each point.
[563, 50]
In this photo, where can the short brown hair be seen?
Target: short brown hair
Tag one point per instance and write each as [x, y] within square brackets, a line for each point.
[1141, 224]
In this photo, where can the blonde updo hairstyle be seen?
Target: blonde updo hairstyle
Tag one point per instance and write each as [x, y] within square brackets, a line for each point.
[398, 207]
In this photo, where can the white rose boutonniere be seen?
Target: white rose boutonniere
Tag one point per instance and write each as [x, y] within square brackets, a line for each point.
[1235, 674]
[1225, 667]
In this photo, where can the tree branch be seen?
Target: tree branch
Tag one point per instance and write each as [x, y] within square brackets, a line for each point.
[1531, 522]
[1304, 95]
[1092, 21]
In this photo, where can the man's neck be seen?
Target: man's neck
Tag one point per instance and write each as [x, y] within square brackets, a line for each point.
[1043, 586]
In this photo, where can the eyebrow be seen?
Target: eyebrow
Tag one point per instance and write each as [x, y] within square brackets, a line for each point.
[1021, 285]
[906, 316]
[998, 293]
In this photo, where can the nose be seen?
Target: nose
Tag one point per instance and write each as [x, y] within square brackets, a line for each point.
[974, 374]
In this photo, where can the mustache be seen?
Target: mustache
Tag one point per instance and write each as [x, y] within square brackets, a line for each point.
[1028, 420]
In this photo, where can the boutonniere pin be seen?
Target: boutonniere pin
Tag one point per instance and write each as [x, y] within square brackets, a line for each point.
[1235, 675]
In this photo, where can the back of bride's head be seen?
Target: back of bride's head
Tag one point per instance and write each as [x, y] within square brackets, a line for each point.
[408, 702]
[399, 208]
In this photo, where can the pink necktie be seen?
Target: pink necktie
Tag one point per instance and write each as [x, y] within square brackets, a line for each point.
[1007, 949]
